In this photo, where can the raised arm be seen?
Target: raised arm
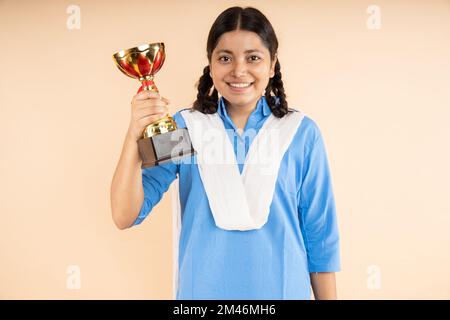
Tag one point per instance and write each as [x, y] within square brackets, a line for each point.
[127, 192]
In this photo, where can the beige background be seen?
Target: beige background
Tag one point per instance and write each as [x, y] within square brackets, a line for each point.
[381, 98]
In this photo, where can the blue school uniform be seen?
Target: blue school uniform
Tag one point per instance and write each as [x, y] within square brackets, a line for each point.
[273, 262]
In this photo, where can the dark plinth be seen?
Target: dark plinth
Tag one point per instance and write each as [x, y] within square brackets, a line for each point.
[165, 147]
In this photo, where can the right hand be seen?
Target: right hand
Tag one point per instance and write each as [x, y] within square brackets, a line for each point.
[146, 107]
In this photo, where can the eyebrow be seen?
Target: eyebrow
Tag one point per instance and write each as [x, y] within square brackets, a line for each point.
[231, 52]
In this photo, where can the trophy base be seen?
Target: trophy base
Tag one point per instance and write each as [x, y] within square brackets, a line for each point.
[165, 147]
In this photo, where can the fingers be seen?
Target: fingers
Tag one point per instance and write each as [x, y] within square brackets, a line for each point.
[145, 121]
[146, 95]
[155, 103]
[146, 108]
[150, 111]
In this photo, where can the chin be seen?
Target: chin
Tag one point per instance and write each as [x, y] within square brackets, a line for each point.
[241, 101]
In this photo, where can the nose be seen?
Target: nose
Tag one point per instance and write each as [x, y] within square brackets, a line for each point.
[239, 69]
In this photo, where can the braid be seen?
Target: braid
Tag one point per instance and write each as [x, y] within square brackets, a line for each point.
[206, 102]
[277, 103]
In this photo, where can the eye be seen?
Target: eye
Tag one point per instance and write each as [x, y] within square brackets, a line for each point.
[224, 59]
[254, 58]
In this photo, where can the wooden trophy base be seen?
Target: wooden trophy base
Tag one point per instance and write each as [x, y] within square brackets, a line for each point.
[165, 147]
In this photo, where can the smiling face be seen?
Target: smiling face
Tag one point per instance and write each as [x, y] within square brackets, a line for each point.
[241, 68]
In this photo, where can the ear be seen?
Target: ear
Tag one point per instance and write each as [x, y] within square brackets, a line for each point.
[272, 67]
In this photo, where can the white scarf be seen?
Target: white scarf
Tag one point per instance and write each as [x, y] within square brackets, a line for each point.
[240, 202]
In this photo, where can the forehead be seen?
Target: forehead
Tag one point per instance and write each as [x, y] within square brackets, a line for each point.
[240, 41]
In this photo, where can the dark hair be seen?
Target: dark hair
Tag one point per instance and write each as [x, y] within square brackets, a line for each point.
[248, 19]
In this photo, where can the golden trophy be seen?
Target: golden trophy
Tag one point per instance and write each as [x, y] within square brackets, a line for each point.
[161, 140]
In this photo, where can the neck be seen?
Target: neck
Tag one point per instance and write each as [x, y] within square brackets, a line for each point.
[240, 114]
[239, 111]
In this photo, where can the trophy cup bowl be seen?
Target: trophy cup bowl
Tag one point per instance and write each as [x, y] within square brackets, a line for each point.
[161, 140]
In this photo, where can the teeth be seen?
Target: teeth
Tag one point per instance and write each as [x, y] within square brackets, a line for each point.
[240, 85]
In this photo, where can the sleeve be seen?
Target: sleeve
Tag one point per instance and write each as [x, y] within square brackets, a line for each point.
[157, 180]
[317, 210]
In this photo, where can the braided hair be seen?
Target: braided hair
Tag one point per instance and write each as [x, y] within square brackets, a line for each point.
[248, 19]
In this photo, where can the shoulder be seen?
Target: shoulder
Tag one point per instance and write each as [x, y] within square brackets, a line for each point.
[182, 115]
[179, 118]
[309, 128]
[308, 132]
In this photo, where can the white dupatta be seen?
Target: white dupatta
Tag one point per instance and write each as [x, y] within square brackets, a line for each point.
[240, 202]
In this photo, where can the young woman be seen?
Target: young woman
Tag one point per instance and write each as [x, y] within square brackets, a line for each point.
[246, 232]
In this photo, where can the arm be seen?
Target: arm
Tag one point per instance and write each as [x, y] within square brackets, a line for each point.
[134, 192]
[127, 193]
[130, 192]
[318, 221]
[323, 285]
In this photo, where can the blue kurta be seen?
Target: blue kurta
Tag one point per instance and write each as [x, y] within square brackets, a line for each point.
[274, 262]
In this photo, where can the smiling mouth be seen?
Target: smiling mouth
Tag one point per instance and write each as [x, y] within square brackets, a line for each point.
[239, 85]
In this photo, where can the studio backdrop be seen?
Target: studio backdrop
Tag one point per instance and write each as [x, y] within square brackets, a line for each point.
[374, 75]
